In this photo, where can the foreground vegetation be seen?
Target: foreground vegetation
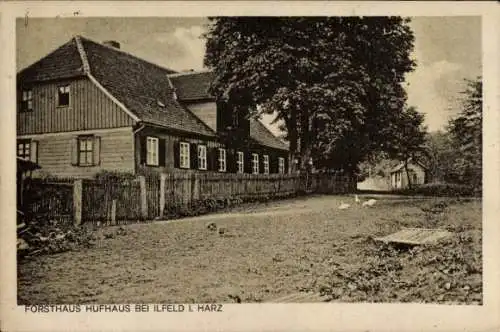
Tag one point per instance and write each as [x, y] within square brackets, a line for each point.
[273, 250]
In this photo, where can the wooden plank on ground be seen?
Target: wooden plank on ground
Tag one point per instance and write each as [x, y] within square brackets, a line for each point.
[415, 236]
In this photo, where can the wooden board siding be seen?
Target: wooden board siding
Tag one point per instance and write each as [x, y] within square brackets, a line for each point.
[89, 108]
[170, 140]
[401, 181]
[218, 118]
[273, 154]
[116, 153]
[207, 112]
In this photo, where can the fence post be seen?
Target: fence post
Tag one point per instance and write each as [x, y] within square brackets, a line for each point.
[163, 178]
[144, 199]
[195, 186]
[113, 212]
[77, 201]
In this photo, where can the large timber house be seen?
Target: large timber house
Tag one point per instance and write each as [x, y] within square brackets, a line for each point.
[88, 107]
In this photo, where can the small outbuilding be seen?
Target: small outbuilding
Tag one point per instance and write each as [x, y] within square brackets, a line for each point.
[417, 174]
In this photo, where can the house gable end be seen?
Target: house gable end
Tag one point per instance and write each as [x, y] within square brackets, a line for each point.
[89, 108]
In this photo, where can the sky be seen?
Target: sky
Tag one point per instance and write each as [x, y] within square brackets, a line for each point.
[447, 50]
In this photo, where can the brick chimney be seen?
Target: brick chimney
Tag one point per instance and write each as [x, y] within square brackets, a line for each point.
[111, 43]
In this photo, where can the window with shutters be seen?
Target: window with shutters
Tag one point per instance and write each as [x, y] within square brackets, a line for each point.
[266, 164]
[152, 151]
[24, 149]
[27, 100]
[222, 160]
[86, 150]
[184, 155]
[281, 165]
[63, 95]
[240, 162]
[255, 163]
[202, 157]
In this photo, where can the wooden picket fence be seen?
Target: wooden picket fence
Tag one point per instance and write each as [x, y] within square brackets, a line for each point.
[118, 201]
[104, 201]
[111, 203]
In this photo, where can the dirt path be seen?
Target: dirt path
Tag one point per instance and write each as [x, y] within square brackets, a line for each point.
[300, 206]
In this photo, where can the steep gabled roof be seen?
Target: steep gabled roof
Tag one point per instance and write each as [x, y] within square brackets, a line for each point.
[63, 62]
[147, 91]
[142, 87]
[193, 86]
[262, 135]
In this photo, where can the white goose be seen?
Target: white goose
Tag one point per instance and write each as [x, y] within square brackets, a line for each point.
[344, 206]
[356, 199]
[370, 202]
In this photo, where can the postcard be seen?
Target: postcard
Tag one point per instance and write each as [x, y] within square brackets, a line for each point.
[250, 166]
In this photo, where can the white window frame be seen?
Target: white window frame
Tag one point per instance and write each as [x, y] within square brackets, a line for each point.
[266, 164]
[184, 158]
[281, 165]
[152, 151]
[222, 160]
[240, 162]
[63, 89]
[25, 147]
[255, 163]
[202, 157]
[27, 100]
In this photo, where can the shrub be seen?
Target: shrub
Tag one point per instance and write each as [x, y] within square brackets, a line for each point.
[41, 235]
[441, 189]
[113, 176]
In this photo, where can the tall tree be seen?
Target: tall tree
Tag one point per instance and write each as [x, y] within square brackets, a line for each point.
[335, 82]
[408, 140]
[442, 155]
[466, 132]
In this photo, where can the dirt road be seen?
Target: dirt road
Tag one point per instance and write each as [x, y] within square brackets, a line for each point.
[264, 252]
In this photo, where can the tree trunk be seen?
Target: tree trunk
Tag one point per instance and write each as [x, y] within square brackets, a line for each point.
[305, 142]
[292, 137]
[305, 157]
[407, 173]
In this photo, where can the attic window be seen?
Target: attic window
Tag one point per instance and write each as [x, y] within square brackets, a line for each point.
[27, 100]
[63, 95]
[160, 103]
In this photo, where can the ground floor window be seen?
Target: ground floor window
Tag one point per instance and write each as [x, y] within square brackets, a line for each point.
[255, 163]
[152, 151]
[281, 165]
[202, 157]
[241, 162]
[184, 155]
[24, 149]
[85, 150]
[222, 160]
[266, 164]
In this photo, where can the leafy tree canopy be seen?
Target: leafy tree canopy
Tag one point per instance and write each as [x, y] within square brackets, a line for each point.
[466, 133]
[335, 82]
